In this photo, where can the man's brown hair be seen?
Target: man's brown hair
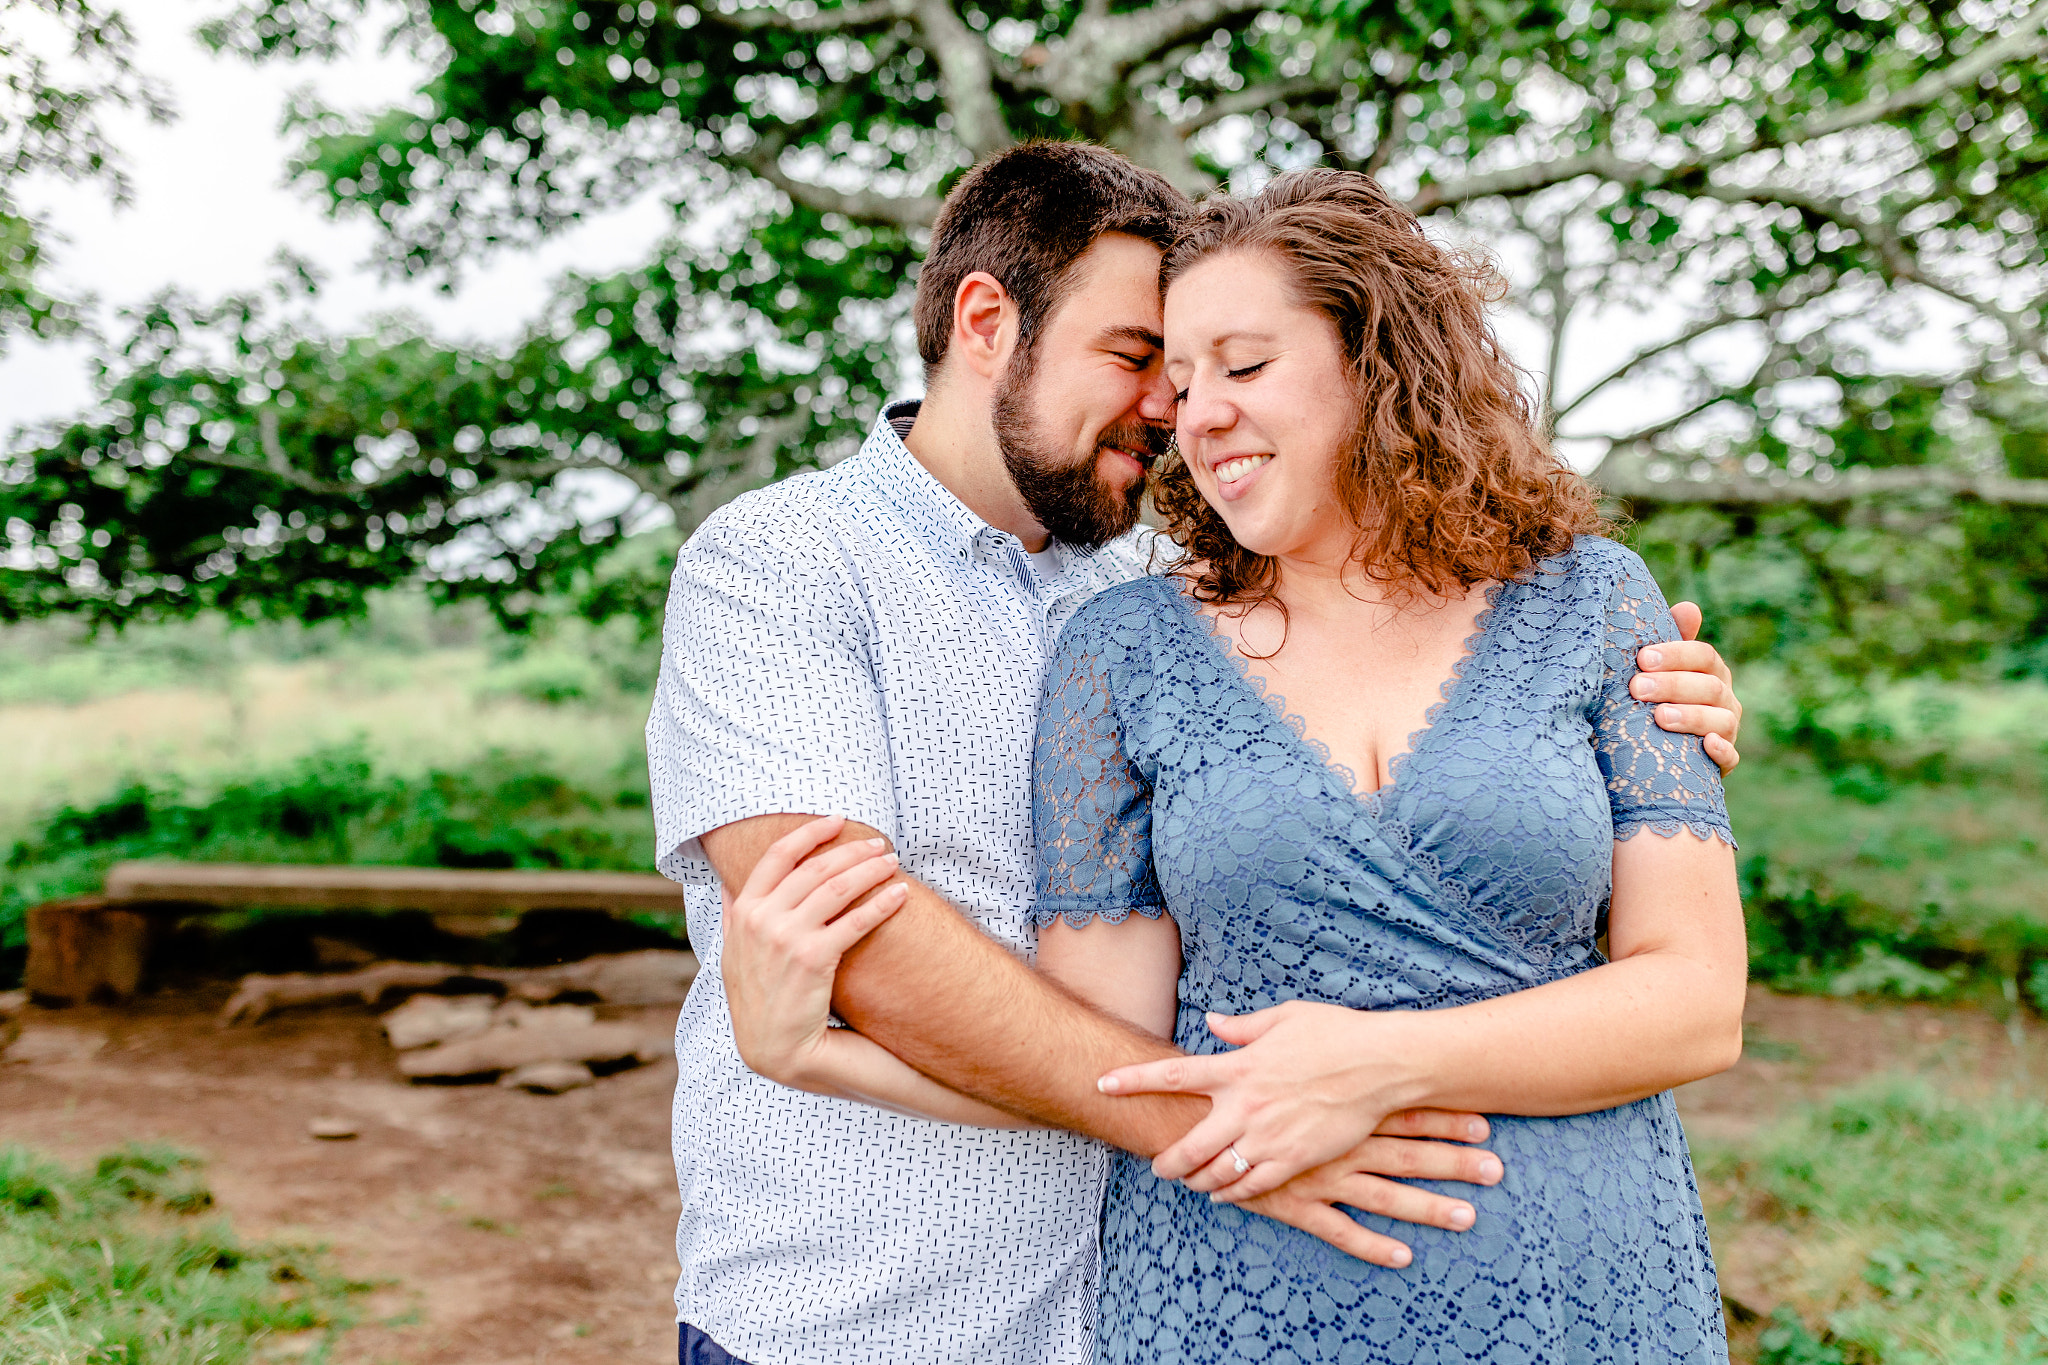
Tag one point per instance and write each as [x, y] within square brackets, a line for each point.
[1025, 216]
[1448, 479]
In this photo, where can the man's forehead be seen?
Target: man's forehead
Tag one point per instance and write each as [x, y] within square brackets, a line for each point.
[1113, 298]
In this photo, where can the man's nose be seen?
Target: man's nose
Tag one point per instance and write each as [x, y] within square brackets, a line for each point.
[1155, 403]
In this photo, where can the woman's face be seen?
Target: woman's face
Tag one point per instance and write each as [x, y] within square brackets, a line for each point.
[1265, 407]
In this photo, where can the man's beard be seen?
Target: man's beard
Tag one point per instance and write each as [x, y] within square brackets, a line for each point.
[1069, 499]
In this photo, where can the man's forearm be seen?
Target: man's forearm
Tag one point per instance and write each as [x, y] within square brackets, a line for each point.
[947, 999]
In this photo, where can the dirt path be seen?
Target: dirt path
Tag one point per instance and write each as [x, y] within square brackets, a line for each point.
[511, 1227]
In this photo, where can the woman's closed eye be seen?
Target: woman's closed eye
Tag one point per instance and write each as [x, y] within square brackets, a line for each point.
[1246, 372]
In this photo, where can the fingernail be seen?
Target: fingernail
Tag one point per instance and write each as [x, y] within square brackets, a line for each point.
[1653, 658]
[1475, 1130]
[1491, 1169]
[1667, 713]
[878, 843]
[1402, 1256]
[1107, 1085]
[1462, 1217]
[889, 858]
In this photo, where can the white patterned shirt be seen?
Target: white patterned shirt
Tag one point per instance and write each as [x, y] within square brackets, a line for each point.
[857, 642]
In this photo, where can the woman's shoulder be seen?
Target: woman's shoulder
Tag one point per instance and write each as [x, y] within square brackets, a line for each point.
[1593, 564]
[1118, 627]
[1118, 608]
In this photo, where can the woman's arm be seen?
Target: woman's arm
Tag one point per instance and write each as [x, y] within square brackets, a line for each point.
[850, 1067]
[778, 977]
[1130, 968]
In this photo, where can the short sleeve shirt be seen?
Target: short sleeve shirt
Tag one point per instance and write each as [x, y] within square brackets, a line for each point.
[857, 642]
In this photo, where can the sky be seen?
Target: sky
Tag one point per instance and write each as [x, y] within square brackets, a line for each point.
[210, 209]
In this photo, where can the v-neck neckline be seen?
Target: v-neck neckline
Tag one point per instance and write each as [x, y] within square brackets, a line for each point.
[1275, 706]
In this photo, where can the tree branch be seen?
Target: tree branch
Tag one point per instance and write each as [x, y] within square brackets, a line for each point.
[1683, 339]
[869, 14]
[2018, 45]
[1134, 35]
[964, 69]
[1628, 475]
[865, 206]
[1090, 63]
[1900, 261]
[967, 77]
[1254, 98]
[1393, 123]
[1603, 161]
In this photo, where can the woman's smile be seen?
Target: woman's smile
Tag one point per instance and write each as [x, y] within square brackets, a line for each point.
[1236, 474]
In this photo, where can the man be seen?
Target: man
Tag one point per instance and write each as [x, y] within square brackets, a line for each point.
[870, 642]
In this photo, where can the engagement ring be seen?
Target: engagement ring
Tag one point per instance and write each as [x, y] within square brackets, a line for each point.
[1238, 1161]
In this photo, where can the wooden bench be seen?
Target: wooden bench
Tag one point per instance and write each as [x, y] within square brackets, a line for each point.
[96, 947]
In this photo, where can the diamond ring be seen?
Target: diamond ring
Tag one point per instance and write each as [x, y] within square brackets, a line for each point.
[1238, 1161]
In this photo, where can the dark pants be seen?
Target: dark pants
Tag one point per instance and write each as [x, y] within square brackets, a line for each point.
[695, 1348]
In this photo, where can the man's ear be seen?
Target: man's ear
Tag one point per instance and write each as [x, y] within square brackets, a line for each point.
[984, 325]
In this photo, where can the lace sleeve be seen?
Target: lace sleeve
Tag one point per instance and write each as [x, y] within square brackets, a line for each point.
[1091, 810]
[1655, 779]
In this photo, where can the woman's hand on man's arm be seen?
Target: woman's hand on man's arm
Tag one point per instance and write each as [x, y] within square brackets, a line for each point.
[1693, 688]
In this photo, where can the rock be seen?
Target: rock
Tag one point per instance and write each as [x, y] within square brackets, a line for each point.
[45, 1044]
[519, 1014]
[507, 1049]
[548, 1078]
[428, 1019]
[331, 1129]
[655, 976]
[338, 954]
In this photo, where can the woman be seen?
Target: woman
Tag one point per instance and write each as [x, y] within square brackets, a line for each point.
[1358, 790]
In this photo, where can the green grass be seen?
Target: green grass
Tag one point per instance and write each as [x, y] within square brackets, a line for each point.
[121, 1265]
[1895, 843]
[1919, 1226]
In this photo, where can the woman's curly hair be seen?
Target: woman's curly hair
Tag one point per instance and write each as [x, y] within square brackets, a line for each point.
[1448, 479]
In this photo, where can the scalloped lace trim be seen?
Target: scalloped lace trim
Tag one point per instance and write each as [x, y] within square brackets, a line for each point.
[1108, 914]
[1481, 624]
[1668, 828]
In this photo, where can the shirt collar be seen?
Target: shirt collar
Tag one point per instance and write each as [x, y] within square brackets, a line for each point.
[928, 505]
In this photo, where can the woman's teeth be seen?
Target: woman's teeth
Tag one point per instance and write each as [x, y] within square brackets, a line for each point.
[1230, 471]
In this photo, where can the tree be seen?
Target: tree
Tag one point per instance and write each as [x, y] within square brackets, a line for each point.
[1772, 195]
[50, 105]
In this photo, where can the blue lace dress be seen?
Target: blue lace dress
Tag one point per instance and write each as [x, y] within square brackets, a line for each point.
[1166, 781]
